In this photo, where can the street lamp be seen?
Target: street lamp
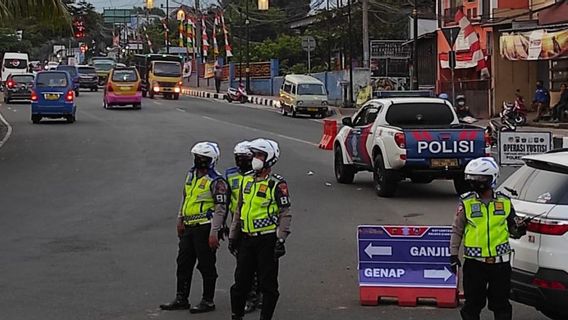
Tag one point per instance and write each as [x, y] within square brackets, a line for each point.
[262, 5]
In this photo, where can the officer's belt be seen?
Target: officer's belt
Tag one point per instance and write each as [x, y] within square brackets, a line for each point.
[191, 219]
[256, 234]
[493, 260]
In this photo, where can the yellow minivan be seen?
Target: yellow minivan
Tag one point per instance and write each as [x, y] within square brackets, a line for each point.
[302, 94]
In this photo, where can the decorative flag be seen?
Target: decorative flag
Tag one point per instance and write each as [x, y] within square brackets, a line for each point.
[190, 35]
[204, 37]
[228, 49]
[167, 31]
[472, 40]
[181, 33]
[148, 41]
[215, 45]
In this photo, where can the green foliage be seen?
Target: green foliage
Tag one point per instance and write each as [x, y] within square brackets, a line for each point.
[155, 11]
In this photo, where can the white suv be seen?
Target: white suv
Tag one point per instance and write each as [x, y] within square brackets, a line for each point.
[539, 189]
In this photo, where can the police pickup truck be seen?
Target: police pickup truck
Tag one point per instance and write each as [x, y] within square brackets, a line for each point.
[417, 138]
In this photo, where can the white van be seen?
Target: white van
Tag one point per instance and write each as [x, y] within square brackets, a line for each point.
[14, 63]
[303, 94]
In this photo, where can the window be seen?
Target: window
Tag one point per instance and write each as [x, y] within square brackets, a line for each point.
[23, 79]
[87, 70]
[127, 75]
[167, 69]
[424, 115]
[72, 70]
[51, 79]
[293, 89]
[103, 66]
[287, 87]
[15, 63]
[559, 72]
[311, 89]
[537, 185]
[366, 116]
[516, 182]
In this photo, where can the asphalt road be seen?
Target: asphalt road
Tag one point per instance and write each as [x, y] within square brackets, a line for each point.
[87, 214]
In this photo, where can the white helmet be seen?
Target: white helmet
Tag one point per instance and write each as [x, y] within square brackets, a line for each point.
[269, 148]
[242, 148]
[207, 149]
[480, 168]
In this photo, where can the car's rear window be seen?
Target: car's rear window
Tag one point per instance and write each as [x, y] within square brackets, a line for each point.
[419, 114]
[537, 185]
[87, 70]
[127, 75]
[51, 79]
[15, 63]
[23, 79]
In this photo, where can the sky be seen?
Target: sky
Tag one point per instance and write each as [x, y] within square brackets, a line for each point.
[125, 4]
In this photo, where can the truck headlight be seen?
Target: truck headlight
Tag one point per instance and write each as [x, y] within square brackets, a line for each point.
[177, 90]
[156, 89]
[324, 103]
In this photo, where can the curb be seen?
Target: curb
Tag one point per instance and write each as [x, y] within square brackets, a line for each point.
[8, 132]
[259, 100]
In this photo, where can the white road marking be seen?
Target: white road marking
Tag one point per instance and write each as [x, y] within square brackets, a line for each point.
[180, 109]
[8, 133]
[264, 131]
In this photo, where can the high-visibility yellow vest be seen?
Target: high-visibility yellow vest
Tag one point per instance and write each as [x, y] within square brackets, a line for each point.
[486, 231]
[234, 179]
[199, 205]
[259, 210]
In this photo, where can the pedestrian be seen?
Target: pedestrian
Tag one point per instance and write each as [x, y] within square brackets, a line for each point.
[204, 200]
[218, 77]
[259, 230]
[541, 100]
[234, 176]
[560, 108]
[485, 219]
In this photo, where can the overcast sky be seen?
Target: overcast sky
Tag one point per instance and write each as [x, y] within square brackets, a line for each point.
[125, 4]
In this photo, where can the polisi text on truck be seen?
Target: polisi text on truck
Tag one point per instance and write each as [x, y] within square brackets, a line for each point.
[464, 146]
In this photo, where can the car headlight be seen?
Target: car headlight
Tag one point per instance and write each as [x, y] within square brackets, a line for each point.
[300, 103]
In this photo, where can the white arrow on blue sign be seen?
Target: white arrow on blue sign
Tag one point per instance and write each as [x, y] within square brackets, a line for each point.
[378, 251]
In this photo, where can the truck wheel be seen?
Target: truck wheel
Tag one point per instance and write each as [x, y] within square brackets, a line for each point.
[461, 185]
[151, 95]
[143, 94]
[176, 96]
[344, 173]
[283, 110]
[385, 184]
[293, 112]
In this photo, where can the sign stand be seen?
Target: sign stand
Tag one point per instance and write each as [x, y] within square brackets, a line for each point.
[309, 45]
[407, 263]
[451, 35]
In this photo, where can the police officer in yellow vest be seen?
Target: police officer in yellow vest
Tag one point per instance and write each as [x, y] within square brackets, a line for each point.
[259, 230]
[484, 221]
[204, 200]
[234, 176]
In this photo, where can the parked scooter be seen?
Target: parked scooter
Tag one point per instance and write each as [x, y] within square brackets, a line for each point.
[239, 94]
[495, 126]
[514, 112]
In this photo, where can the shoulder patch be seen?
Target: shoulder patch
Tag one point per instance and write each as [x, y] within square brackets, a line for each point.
[278, 177]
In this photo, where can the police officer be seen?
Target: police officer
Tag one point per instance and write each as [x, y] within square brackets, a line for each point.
[234, 176]
[259, 230]
[204, 199]
[485, 219]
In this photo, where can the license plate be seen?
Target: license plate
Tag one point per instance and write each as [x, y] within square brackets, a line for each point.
[443, 163]
[51, 96]
[312, 109]
[125, 88]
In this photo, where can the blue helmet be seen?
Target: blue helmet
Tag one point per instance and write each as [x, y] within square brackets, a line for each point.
[444, 96]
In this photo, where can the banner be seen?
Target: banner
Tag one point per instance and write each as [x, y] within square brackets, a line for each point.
[534, 45]
[209, 70]
[514, 145]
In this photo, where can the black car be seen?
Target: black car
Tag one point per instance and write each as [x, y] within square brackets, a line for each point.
[19, 87]
[88, 78]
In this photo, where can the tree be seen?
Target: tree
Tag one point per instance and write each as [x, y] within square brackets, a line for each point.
[53, 11]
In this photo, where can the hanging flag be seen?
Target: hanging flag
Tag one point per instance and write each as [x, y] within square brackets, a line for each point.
[215, 28]
[228, 49]
[204, 37]
[471, 39]
[181, 33]
[190, 35]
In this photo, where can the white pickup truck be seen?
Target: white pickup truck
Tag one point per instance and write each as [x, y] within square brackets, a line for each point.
[399, 138]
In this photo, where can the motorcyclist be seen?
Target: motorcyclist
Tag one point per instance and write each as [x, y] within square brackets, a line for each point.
[462, 110]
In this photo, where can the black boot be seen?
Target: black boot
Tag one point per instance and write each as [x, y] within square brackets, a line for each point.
[179, 303]
[203, 306]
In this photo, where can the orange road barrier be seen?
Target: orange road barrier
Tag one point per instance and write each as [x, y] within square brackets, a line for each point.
[329, 134]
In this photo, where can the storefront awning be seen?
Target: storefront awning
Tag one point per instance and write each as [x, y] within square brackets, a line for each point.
[537, 44]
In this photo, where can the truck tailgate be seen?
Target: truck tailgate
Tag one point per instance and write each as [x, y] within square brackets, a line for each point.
[451, 147]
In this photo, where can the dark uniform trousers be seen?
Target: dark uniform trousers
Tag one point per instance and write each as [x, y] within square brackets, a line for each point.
[194, 247]
[486, 282]
[256, 254]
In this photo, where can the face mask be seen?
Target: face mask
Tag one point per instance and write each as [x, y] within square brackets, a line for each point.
[461, 103]
[201, 163]
[243, 163]
[479, 187]
[257, 164]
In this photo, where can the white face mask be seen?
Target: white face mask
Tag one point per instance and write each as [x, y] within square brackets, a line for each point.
[257, 164]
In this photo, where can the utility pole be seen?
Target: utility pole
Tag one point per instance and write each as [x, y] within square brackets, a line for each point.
[240, 43]
[167, 26]
[365, 9]
[350, 54]
[328, 39]
[415, 45]
[197, 45]
[247, 22]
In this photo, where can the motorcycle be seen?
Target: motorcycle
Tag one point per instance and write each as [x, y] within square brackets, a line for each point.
[514, 112]
[239, 94]
[495, 126]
